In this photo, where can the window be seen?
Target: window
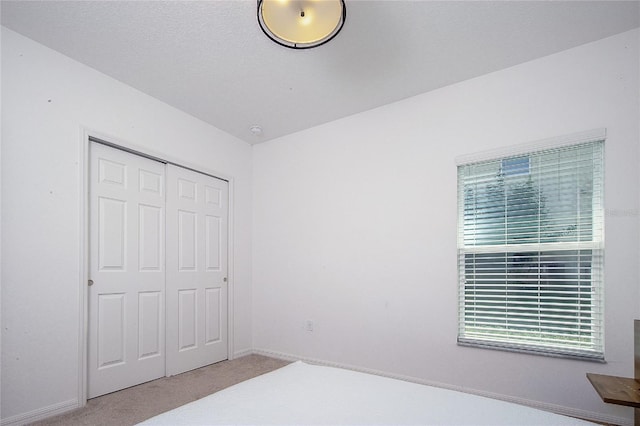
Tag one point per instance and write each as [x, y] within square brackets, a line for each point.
[530, 251]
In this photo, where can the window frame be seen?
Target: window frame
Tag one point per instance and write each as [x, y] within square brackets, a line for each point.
[512, 155]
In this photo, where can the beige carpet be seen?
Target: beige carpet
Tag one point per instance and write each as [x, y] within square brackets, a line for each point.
[138, 403]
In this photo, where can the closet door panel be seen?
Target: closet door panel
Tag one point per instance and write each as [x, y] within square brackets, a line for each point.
[126, 266]
[197, 222]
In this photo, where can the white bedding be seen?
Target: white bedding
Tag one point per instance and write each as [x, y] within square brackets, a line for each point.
[303, 394]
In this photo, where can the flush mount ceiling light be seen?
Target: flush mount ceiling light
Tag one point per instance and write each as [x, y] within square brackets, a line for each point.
[301, 24]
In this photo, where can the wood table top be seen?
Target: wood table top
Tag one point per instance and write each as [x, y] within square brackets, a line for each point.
[616, 390]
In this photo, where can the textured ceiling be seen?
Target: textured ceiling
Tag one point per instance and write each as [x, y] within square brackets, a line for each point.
[210, 58]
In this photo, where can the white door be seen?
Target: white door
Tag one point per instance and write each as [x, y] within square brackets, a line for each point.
[126, 299]
[197, 210]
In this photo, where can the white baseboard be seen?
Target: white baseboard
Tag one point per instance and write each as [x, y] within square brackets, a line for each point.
[241, 353]
[41, 413]
[558, 409]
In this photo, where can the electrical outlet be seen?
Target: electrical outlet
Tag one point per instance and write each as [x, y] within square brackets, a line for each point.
[308, 325]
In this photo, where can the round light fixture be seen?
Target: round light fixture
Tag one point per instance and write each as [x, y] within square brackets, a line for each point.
[301, 24]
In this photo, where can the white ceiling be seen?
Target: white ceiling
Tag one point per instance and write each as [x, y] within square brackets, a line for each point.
[210, 58]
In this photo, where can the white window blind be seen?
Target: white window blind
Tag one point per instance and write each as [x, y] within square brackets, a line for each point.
[530, 251]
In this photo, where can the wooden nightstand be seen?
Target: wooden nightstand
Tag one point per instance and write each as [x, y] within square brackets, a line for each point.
[622, 390]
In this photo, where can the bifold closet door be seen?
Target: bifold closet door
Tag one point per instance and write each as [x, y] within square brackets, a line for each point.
[197, 211]
[126, 267]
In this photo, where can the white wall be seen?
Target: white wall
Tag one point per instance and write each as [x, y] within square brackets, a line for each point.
[354, 227]
[47, 100]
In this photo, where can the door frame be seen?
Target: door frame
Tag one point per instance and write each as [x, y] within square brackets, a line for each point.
[88, 136]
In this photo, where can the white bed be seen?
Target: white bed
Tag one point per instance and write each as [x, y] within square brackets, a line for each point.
[303, 394]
